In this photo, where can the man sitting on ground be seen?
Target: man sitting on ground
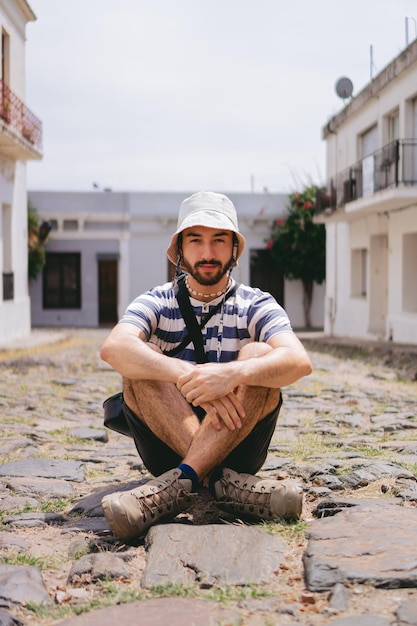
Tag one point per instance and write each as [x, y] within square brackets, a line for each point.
[208, 422]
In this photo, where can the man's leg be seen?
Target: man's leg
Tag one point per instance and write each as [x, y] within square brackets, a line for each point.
[202, 447]
[163, 426]
[164, 411]
[148, 406]
[243, 494]
[209, 447]
[169, 416]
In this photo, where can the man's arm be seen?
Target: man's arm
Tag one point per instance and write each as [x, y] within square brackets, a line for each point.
[126, 350]
[283, 365]
[286, 362]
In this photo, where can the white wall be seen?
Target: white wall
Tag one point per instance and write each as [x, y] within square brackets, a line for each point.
[293, 290]
[402, 324]
[149, 220]
[377, 223]
[15, 314]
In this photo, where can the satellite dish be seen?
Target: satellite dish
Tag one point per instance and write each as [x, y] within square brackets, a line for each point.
[344, 87]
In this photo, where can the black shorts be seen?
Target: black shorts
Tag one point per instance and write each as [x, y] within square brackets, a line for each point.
[248, 457]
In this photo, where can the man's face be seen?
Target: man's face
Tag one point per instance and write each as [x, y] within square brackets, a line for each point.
[207, 253]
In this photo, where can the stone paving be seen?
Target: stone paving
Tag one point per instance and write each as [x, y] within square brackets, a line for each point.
[348, 432]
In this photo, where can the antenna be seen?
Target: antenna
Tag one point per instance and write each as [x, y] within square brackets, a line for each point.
[344, 87]
[406, 29]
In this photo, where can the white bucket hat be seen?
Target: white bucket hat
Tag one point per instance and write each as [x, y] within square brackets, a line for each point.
[210, 209]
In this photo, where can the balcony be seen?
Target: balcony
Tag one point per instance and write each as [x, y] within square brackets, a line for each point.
[20, 129]
[383, 181]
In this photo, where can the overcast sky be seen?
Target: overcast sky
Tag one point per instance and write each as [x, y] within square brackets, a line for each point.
[182, 95]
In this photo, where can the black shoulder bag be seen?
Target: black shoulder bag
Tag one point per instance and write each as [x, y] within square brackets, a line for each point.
[114, 417]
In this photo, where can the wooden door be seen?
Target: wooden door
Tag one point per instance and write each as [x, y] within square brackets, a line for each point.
[107, 291]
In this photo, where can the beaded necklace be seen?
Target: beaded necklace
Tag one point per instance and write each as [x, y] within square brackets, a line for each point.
[206, 295]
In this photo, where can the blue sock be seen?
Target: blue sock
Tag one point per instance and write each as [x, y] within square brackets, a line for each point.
[188, 472]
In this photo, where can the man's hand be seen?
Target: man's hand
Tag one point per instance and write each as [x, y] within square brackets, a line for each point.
[227, 410]
[209, 385]
[206, 382]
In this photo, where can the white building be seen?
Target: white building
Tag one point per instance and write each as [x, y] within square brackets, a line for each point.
[105, 248]
[369, 206]
[20, 141]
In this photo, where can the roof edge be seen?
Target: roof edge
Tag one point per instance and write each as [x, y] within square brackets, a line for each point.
[398, 65]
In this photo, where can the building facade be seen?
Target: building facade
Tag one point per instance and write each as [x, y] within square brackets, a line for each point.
[369, 207]
[20, 141]
[105, 248]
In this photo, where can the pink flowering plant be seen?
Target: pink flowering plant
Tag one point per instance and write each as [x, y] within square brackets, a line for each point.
[298, 246]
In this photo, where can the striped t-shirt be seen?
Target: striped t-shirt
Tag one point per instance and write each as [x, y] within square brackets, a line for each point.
[249, 315]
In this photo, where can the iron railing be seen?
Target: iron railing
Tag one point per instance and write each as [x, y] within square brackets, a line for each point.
[393, 165]
[19, 118]
[8, 286]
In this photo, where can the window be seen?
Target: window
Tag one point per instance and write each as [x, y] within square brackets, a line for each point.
[359, 271]
[6, 230]
[5, 57]
[414, 148]
[5, 108]
[8, 286]
[70, 225]
[369, 142]
[394, 126]
[62, 280]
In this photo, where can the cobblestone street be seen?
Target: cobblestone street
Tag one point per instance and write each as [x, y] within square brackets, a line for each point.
[348, 432]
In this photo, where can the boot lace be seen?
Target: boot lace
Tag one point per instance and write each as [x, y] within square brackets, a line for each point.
[165, 499]
[244, 496]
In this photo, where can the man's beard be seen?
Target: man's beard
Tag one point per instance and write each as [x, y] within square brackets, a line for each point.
[202, 279]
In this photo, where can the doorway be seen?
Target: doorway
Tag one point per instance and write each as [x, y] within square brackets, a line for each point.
[378, 285]
[107, 291]
[265, 276]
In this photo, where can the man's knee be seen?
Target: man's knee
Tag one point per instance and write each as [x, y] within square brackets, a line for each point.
[272, 400]
[254, 349]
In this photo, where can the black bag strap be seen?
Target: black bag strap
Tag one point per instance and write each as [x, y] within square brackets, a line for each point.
[193, 327]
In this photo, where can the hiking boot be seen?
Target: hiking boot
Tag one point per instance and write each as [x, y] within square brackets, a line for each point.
[245, 495]
[131, 513]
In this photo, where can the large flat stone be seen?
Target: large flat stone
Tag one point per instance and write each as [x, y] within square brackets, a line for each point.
[42, 487]
[93, 567]
[34, 520]
[8, 504]
[19, 585]
[44, 468]
[363, 544]
[160, 612]
[211, 555]
[91, 504]
[95, 434]
[13, 543]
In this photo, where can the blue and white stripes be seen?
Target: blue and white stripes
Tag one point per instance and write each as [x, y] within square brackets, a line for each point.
[249, 315]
